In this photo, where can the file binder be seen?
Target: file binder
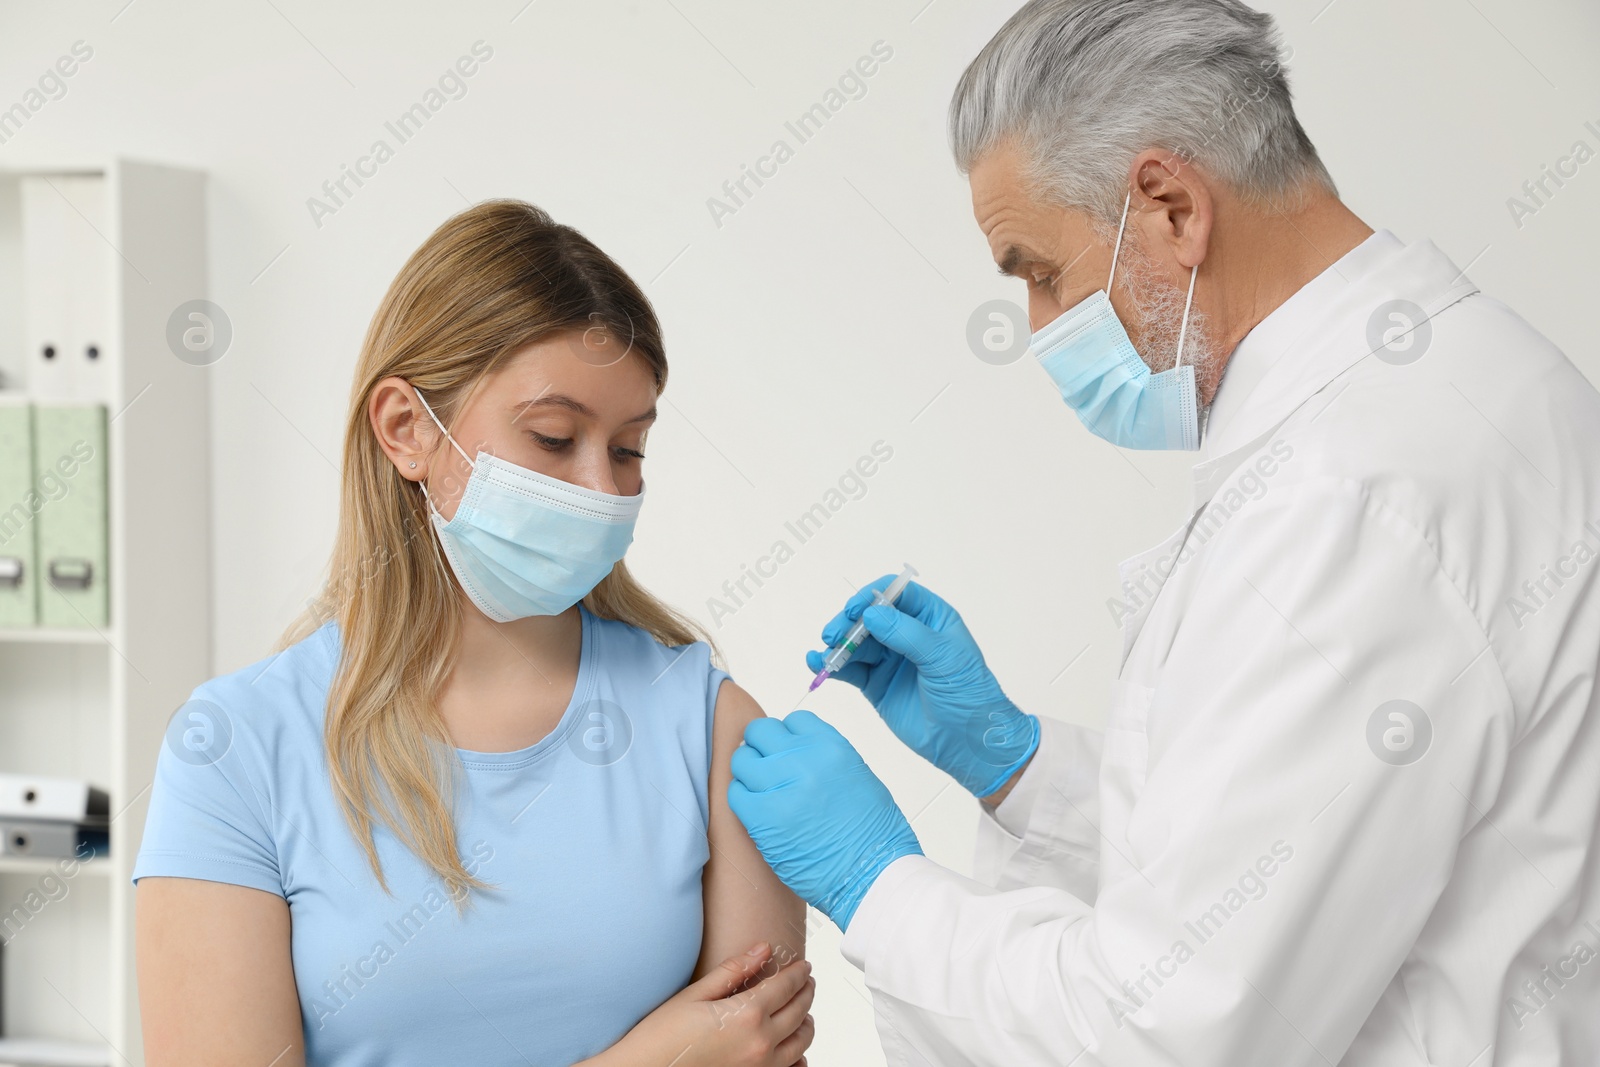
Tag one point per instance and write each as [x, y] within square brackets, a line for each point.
[70, 472]
[89, 290]
[66, 286]
[54, 840]
[19, 573]
[34, 796]
[46, 276]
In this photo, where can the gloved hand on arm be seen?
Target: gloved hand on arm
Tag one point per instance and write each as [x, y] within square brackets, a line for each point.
[924, 674]
[824, 822]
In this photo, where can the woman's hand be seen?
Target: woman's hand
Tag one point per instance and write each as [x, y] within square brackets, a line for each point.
[713, 1024]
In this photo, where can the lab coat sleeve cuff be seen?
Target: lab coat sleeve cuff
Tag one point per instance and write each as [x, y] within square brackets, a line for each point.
[1013, 813]
[1044, 833]
[875, 913]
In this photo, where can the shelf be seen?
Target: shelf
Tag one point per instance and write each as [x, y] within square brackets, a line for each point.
[99, 866]
[46, 636]
[42, 1052]
[68, 707]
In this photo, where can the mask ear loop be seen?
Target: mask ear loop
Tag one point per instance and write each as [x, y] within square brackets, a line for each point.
[470, 461]
[1183, 331]
[1117, 249]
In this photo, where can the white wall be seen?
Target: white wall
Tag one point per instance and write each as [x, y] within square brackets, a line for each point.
[826, 314]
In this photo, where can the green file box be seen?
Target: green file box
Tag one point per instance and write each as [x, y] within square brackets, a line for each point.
[70, 470]
[19, 507]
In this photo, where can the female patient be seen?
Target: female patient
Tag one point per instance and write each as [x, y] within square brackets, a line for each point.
[479, 816]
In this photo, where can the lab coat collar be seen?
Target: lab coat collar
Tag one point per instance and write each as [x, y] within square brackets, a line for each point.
[1261, 348]
[1313, 338]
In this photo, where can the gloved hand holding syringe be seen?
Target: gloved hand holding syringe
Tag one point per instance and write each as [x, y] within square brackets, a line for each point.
[840, 654]
[924, 675]
[912, 657]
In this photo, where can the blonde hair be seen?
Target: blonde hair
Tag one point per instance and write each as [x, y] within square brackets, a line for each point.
[493, 279]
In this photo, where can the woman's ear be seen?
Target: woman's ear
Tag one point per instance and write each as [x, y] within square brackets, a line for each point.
[405, 432]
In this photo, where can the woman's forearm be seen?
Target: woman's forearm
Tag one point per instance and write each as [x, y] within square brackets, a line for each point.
[716, 1020]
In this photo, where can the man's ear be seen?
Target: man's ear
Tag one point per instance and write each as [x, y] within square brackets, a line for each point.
[404, 431]
[1172, 204]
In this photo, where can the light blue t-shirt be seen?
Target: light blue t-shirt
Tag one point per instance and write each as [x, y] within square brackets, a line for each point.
[595, 838]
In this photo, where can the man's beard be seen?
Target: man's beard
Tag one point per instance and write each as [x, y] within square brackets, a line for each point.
[1156, 321]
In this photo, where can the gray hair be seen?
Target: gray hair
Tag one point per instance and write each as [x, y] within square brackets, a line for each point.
[1083, 86]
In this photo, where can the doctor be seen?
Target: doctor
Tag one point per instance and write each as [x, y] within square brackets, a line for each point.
[1344, 807]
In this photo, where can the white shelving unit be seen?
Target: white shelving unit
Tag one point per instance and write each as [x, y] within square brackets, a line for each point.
[94, 704]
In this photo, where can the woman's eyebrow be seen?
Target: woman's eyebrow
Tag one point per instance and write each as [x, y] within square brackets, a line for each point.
[575, 405]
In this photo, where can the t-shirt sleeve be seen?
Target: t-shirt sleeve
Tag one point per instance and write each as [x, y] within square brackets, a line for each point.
[715, 676]
[209, 805]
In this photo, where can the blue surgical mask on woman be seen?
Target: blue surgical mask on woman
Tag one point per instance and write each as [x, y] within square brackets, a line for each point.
[1088, 354]
[522, 543]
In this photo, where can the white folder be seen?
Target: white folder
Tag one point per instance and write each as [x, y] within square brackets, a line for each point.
[66, 273]
[28, 796]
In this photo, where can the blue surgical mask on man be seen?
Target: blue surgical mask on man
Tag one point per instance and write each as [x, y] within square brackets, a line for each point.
[522, 543]
[1088, 354]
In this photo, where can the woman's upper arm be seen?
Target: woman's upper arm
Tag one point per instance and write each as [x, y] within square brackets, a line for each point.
[216, 983]
[744, 901]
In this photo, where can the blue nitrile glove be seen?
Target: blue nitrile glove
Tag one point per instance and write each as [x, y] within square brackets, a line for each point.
[824, 822]
[924, 673]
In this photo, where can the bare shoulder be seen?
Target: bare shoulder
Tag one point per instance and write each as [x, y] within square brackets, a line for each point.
[736, 709]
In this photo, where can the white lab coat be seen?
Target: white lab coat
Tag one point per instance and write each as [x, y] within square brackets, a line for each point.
[1230, 874]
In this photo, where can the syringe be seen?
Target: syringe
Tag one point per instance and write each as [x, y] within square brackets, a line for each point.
[840, 654]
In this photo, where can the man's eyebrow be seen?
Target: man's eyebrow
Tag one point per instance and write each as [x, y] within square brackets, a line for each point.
[1012, 259]
[560, 400]
[1015, 259]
